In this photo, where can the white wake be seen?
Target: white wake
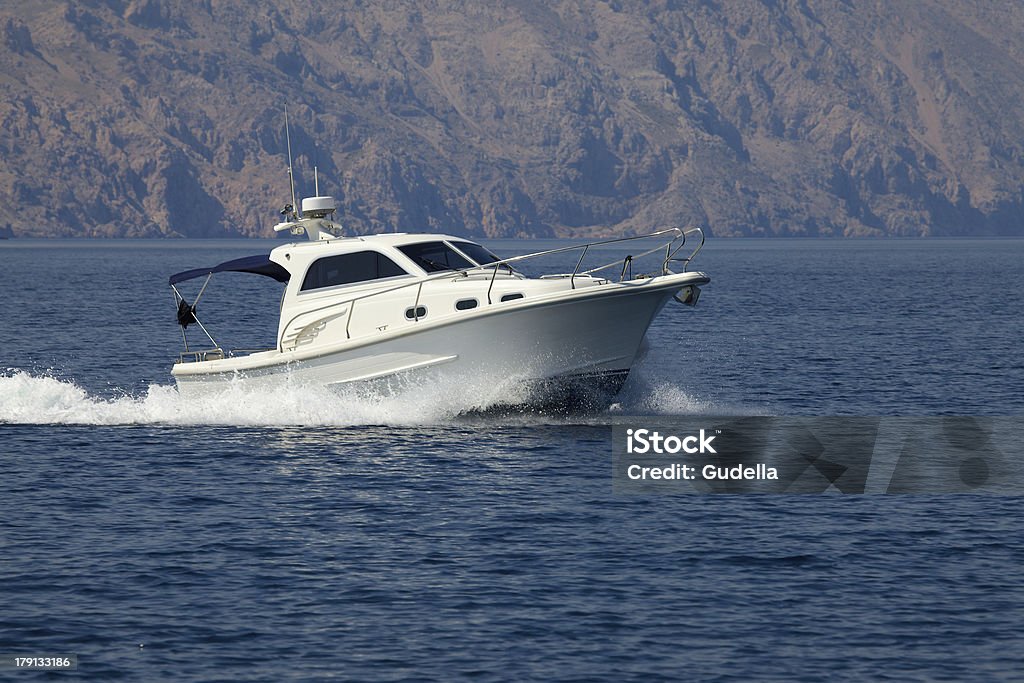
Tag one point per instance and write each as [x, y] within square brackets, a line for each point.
[27, 398]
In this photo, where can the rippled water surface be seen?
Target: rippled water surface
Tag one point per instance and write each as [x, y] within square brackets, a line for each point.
[301, 535]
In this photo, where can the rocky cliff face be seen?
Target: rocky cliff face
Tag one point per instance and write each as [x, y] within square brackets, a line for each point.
[771, 117]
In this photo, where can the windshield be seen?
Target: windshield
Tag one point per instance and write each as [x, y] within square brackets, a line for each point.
[476, 252]
[435, 256]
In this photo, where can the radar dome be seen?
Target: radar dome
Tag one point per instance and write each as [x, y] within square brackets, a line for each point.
[318, 207]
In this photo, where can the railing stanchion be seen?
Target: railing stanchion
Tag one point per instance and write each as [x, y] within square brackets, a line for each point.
[572, 279]
[348, 321]
[491, 286]
[628, 261]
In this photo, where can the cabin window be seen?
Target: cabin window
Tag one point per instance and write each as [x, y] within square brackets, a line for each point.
[416, 313]
[434, 257]
[511, 297]
[465, 304]
[346, 269]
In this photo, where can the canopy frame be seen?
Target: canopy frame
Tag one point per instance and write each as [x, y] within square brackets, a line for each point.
[187, 314]
[260, 264]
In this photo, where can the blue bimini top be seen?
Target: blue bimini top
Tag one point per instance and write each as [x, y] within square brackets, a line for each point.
[259, 265]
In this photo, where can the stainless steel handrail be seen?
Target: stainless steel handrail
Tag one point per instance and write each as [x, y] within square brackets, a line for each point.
[679, 233]
[630, 257]
[669, 254]
[693, 254]
[201, 355]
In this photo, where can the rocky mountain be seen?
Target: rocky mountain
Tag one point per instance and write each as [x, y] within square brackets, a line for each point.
[514, 117]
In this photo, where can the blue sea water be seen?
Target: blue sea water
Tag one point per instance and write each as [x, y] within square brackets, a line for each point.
[362, 537]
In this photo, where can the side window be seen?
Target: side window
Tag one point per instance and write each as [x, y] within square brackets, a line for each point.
[346, 269]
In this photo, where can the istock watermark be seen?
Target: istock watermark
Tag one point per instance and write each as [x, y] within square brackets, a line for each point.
[817, 455]
[648, 441]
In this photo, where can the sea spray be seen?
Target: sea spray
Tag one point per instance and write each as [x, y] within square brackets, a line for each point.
[27, 398]
[647, 393]
[30, 399]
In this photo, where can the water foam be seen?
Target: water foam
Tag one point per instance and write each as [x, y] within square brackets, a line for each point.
[30, 399]
[26, 398]
[646, 393]
[661, 399]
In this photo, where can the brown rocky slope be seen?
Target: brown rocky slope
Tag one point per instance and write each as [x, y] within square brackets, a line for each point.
[802, 117]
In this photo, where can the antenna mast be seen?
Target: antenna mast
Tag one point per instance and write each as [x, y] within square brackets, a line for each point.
[291, 174]
[311, 217]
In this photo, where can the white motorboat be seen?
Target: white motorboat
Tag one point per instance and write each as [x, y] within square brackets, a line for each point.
[362, 308]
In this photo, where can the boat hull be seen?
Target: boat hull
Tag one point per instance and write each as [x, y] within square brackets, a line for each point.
[572, 349]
